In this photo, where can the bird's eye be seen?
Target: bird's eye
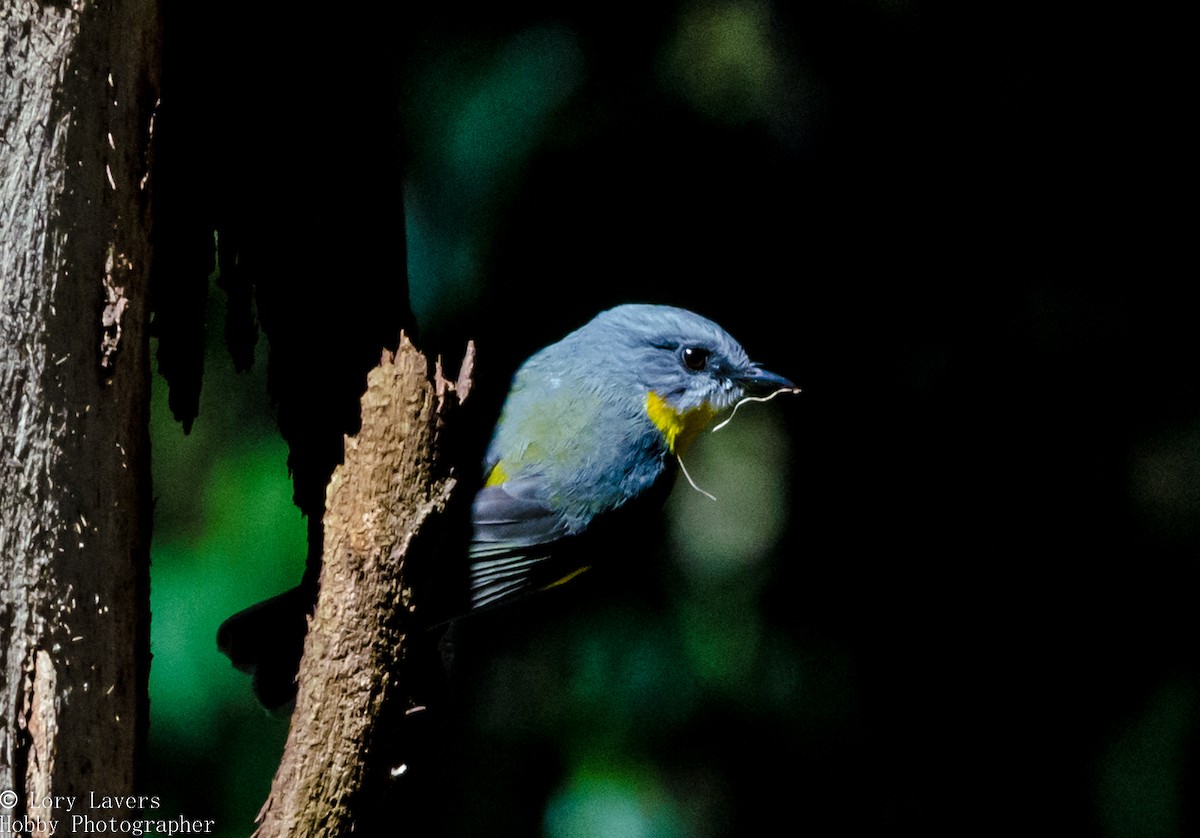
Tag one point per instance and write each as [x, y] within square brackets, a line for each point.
[695, 357]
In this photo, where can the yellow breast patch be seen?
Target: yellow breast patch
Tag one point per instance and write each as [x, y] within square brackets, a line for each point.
[678, 428]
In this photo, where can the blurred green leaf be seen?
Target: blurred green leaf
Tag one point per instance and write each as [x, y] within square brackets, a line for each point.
[607, 800]
[479, 121]
[722, 60]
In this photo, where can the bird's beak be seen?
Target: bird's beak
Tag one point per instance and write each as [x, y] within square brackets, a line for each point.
[760, 382]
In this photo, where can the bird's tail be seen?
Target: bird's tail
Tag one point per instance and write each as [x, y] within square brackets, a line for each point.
[266, 641]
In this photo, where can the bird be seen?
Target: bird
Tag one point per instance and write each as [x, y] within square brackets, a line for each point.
[593, 425]
[591, 434]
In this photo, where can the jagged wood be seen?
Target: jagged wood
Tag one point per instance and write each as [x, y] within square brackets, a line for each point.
[388, 486]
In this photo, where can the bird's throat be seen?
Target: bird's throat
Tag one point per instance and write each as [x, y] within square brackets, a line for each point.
[679, 428]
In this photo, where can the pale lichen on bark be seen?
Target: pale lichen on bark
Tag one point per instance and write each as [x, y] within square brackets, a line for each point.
[40, 718]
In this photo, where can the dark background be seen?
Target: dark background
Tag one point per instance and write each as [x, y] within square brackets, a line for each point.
[947, 589]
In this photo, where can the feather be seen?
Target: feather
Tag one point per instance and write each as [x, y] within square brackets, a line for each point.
[511, 546]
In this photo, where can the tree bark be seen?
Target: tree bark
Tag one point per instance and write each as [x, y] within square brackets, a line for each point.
[78, 87]
[379, 501]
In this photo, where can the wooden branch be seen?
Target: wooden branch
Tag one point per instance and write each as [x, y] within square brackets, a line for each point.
[391, 482]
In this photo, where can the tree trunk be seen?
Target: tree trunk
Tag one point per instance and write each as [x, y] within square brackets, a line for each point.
[78, 88]
[340, 755]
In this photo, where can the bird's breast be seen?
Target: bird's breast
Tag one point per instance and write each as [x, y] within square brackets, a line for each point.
[679, 428]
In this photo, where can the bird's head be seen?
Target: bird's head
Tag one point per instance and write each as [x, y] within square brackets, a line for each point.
[690, 368]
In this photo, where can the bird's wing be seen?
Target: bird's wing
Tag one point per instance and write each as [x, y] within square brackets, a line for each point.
[514, 533]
